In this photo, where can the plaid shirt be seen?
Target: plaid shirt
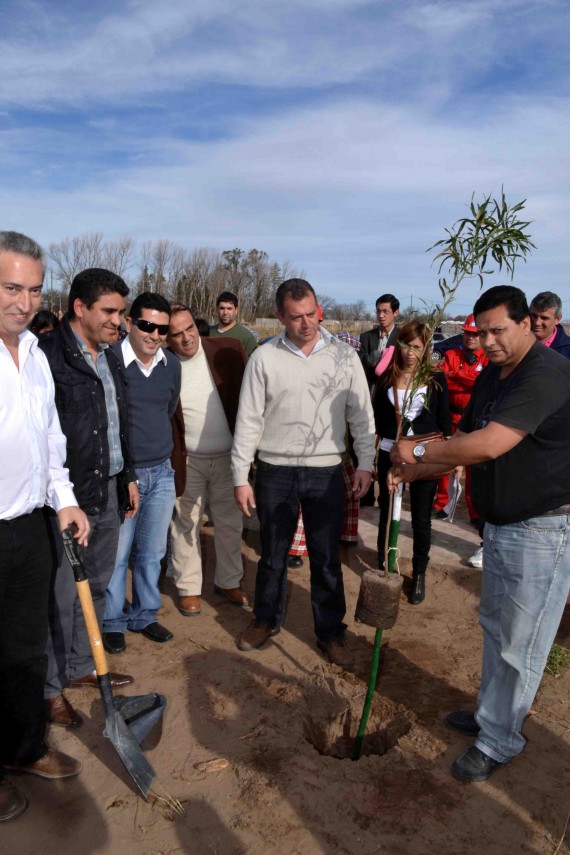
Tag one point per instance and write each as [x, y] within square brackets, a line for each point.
[101, 367]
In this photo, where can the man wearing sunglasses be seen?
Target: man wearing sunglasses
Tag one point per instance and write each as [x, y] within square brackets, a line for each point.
[153, 389]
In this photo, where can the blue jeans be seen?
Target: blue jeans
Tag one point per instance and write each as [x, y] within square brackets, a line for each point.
[279, 490]
[145, 535]
[526, 579]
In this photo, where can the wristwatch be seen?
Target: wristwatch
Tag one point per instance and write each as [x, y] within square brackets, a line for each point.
[419, 450]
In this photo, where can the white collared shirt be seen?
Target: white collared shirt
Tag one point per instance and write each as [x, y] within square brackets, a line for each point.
[130, 356]
[32, 446]
[325, 338]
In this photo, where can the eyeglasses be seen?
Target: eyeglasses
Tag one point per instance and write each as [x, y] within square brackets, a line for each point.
[148, 326]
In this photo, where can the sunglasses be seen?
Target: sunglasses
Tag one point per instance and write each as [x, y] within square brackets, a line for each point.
[148, 326]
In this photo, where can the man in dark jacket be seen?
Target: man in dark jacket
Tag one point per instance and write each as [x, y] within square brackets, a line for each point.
[374, 342]
[90, 395]
[203, 426]
[546, 314]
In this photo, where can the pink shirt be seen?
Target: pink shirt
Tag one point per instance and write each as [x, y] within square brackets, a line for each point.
[549, 341]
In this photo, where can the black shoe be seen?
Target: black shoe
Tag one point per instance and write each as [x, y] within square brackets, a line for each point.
[464, 721]
[155, 632]
[474, 766]
[114, 642]
[419, 589]
[438, 515]
[294, 561]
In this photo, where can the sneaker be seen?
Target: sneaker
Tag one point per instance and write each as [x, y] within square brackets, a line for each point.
[476, 559]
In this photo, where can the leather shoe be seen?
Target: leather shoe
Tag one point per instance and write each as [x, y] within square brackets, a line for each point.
[464, 721]
[294, 562]
[53, 766]
[114, 642]
[117, 680]
[155, 632]
[474, 766]
[189, 606]
[12, 803]
[255, 636]
[59, 711]
[419, 590]
[338, 653]
[235, 596]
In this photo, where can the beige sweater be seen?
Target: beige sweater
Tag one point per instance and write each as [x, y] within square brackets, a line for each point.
[295, 411]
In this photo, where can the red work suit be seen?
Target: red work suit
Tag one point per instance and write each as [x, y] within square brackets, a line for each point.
[461, 368]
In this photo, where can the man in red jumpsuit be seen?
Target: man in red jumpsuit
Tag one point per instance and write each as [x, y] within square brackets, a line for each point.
[461, 366]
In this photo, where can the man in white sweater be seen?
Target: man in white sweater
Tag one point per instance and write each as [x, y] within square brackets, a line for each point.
[299, 393]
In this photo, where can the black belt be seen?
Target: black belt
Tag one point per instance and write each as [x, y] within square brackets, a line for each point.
[557, 512]
[454, 409]
[21, 517]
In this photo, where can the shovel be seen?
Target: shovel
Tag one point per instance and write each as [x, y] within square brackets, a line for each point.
[127, 720]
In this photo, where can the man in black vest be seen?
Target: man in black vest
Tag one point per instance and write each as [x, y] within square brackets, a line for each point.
[90, 395]
[153, 389]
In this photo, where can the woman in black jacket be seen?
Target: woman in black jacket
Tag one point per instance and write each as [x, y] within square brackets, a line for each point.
[424, 411]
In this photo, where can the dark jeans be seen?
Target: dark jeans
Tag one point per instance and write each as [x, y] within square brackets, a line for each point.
[68, 649]
[25, 569]
[279, 490]
[422, 494]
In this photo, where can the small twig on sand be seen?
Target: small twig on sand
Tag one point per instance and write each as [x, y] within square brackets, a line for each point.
[561, 841]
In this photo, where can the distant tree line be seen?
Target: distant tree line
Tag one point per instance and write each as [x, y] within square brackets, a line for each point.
[194, 277]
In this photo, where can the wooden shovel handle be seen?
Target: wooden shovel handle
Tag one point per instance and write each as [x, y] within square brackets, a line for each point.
[93, 631]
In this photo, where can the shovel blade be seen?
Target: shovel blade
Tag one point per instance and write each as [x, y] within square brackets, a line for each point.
[130, 752]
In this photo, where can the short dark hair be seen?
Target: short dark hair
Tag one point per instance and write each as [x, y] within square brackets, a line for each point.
[227, 297]
[547, 300]
[513, 299]
[293, 289]
[42, 319]
[90, 285]
[203, 327]
[21, 244]
[389, 298]
[176, 308]
[149, 300]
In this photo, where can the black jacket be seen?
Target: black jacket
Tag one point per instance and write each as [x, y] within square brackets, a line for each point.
[433, 416]
[368, 347]
[80, 402]
[561, 343]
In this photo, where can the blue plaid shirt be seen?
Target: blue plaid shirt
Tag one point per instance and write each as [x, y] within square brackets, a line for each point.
[101, 367]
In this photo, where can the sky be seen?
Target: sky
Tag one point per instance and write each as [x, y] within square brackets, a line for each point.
[342, 136]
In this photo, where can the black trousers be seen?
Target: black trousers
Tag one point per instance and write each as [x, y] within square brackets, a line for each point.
[279, 490]
[25, 571]
[422, 495]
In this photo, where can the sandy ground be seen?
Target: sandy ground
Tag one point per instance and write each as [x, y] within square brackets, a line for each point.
[269, 715]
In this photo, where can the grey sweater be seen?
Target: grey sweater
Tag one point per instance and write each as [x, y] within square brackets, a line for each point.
[295, 411]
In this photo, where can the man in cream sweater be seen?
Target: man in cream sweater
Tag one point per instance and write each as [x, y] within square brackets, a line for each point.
[212, 371]
[299, 392]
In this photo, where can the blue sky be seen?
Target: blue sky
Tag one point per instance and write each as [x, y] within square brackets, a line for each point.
[343, 136]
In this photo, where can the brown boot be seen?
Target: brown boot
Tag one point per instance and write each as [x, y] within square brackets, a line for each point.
[12, 803]
[338, 653]
[53, 766]
[255, 636]
[189, 606]
[59, 711]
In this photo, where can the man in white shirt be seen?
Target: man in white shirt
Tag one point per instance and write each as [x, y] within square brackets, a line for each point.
[32, 474]
[300, 392]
